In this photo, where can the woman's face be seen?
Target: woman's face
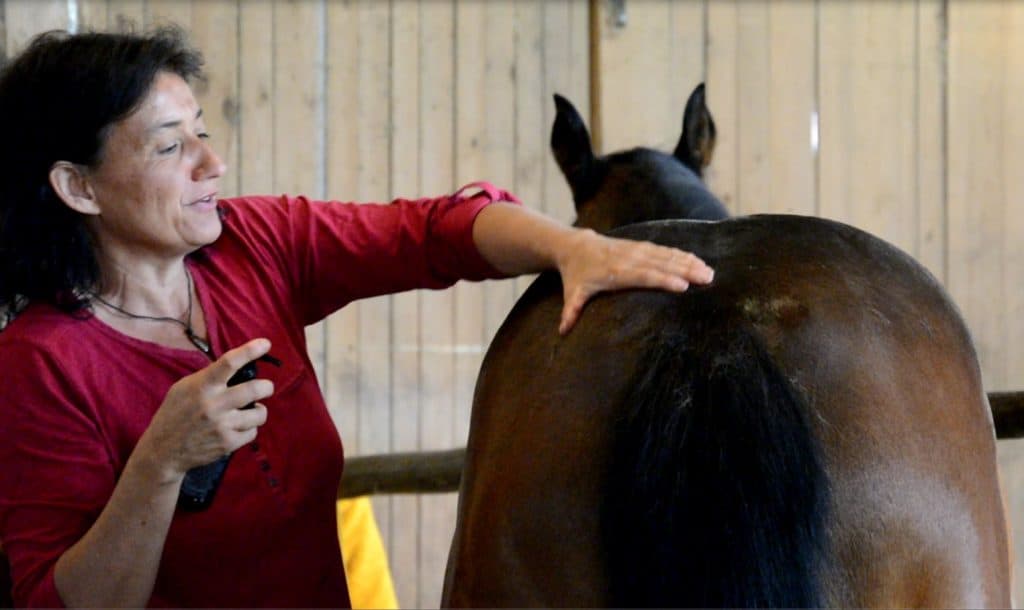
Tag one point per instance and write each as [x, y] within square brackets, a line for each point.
[156, 184]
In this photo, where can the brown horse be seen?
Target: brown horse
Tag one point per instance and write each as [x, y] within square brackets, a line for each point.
[808, 430]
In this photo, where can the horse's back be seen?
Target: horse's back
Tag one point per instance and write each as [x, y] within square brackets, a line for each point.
[864, 334]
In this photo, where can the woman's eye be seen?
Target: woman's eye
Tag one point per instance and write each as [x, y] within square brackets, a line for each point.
[203, 135]
[168, 149]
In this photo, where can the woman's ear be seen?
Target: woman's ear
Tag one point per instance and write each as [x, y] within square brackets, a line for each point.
[72, 186]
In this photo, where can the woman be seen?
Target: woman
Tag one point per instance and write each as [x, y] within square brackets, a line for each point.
[138, 294]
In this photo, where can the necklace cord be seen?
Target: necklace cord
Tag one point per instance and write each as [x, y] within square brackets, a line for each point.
[201, 344]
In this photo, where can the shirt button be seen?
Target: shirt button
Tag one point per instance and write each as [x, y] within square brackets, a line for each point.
[264, 465]
[254, 446]
[272, 481]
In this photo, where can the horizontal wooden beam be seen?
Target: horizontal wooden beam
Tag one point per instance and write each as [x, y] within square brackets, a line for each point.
[402, 473]
[1008, 413]
[441, 471]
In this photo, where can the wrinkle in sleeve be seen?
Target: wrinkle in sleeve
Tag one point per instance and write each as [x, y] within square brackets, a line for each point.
[56, 474]
[354, 251]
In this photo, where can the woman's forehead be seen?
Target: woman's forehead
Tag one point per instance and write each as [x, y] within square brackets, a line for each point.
[170, 100]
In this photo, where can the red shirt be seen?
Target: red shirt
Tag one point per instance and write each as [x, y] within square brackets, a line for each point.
[77, 395]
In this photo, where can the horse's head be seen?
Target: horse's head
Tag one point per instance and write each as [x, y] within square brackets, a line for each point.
[639, 184]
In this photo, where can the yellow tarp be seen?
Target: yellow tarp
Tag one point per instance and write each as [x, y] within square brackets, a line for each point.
[366, 562]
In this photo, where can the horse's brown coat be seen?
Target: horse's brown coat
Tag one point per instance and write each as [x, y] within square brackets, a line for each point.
[865, 335]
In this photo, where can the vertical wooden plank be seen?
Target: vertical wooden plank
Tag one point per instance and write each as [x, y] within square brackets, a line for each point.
[342, 179]
[126, 15]
[551, 57]
[753, 120]
[776, 89]
[1011, 453]
[376, 322]
[471, 144]
[530, 141]
[984, 261]
[931, 132]
[1013, 157]
[298, 97]
[372, 146]
[437, 114]
[565, 70]
[761, 87]
[27, 18]
[986, 220]
[92, 15]
[722, 99]
[867, 118]
[169, 12]
[367, 149]
[407, 349]
[298, 107]
[978, 173]
[485, 151]
[687, 63]
[792, 104]
[648, 67]
[255, 166]
[215, 31]
[1011, 470]
[341, 163]
[360, 354]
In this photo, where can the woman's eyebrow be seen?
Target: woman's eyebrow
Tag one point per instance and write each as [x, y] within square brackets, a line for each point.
[172, 124]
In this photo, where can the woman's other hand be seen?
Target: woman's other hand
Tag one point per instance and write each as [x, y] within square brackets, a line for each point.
[591, 263]
[201, 418]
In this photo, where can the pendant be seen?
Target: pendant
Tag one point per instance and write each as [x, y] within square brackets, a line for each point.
[199, 342]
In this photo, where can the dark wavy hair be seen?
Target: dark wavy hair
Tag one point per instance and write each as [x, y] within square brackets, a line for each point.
[58, 101]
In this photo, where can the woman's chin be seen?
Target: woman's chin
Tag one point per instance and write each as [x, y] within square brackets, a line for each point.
[206, 232]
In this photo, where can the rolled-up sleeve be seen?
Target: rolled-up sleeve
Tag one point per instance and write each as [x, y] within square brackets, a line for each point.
[452, 254]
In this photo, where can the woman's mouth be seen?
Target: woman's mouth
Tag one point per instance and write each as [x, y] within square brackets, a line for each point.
[205, 202]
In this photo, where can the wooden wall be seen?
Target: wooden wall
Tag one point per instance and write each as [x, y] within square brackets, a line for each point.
[902, 118]
[899, 117]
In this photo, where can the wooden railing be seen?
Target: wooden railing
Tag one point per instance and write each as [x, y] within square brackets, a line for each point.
[402, 473]
[440, 471]
[1008, 413]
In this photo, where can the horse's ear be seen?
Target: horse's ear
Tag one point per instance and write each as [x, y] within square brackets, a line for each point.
[570, 142]
[698, 139]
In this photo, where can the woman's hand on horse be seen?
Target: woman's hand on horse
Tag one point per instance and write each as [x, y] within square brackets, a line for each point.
[591, 263]
[516, 240]
[201, 418]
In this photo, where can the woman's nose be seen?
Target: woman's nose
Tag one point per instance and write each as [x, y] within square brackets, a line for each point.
[210, 164]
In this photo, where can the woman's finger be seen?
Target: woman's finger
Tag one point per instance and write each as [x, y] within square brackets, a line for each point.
[228, 364]
[574, 301]
[245, 419]
[245, 394]
[685, 265]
